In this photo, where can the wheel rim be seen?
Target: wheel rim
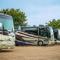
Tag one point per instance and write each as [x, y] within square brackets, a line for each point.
[40, 43]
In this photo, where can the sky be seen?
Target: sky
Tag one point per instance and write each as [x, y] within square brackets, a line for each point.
[37, 11]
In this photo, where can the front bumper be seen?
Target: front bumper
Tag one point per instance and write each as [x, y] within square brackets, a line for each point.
[7, 44]
[2, 46]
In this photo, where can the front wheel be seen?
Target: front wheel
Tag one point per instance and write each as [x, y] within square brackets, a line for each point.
[40, 43]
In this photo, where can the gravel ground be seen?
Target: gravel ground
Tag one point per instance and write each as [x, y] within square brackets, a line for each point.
[31, 53]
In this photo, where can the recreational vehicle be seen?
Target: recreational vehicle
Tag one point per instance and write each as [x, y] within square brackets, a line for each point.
[35, 36]
[7, 36]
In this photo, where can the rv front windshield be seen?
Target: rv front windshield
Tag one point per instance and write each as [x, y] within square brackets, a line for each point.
[7, 23]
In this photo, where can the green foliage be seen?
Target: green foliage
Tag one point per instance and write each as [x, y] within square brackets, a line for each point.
[54, 23]
[19, 17]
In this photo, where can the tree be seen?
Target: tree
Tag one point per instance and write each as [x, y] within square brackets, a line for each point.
[19, 17]
[54, 23]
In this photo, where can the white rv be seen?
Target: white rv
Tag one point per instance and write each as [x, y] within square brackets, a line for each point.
[7, 36]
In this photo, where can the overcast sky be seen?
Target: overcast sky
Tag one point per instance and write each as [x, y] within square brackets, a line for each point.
[37, 11]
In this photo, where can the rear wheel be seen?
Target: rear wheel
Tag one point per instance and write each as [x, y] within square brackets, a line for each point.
[40, 43]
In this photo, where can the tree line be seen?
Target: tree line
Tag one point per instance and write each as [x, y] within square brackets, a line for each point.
[55, 23]
[20, 18]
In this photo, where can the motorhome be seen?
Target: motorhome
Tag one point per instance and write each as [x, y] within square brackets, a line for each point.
[57, 35]
[35, 36]
[7, 36]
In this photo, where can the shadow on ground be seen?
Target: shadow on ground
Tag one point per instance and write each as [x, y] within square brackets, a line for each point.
[4, 51]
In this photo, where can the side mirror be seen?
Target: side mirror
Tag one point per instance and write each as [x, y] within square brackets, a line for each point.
[59, 34]
[1, 28]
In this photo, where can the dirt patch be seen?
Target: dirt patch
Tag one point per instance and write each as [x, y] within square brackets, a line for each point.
[31, 53]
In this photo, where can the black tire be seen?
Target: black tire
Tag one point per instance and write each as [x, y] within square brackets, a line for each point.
[40, 43]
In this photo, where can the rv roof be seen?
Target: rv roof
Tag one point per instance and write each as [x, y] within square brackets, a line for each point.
[5, 16]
